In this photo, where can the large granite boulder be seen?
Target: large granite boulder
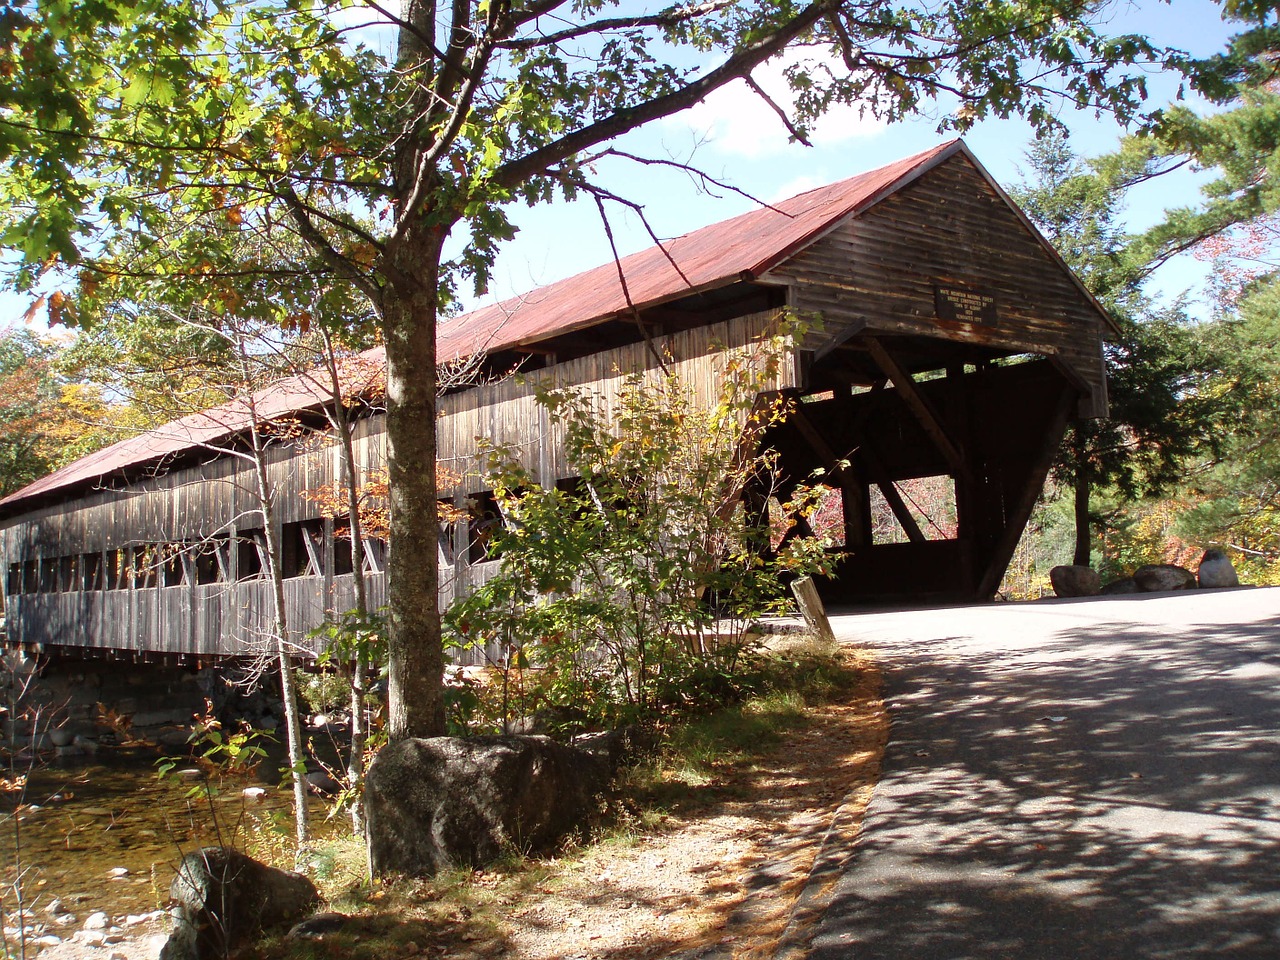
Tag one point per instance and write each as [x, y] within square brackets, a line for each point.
[1216, 570]
[1075, 581]
[1119, 587]
[221, 898]
[1157, 577]
[464, 801]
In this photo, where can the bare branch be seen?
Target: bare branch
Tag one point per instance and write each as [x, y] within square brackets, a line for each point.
[520, 169]
[311, 234]
[848, 51]
[670, 17]
[600, 194]
[622, 279]
[782, 114]
[701, 175]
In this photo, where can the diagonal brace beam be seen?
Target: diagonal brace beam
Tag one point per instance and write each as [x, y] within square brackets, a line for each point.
[919, 405]
[823, 449]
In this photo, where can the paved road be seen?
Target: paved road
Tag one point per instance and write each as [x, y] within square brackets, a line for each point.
[1074, 779]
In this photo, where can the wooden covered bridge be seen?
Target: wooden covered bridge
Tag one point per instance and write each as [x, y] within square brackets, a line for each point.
[953, 344]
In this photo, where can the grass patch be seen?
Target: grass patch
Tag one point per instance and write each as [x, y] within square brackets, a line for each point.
[688, 769]
[464, 913]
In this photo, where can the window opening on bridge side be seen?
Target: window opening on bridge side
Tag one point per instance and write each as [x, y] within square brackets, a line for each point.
[172, 568]
[931, 502]
[213, 560]
[112, 581]
[68, 573]
[580, 496]
[251, 548]
[375, 554]
[91, 572]
[342, 565]
[447, 512]
[484, 522]
[302, 549]
[48, 575]
[144, 565]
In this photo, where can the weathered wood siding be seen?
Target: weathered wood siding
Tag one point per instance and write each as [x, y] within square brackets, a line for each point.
[188, 503]
[877, 274]
[506, 413]
[196, 503]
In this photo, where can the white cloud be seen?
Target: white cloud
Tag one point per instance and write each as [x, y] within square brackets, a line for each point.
[735, 120]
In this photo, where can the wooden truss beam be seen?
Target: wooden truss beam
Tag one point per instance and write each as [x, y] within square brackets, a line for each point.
[847, 474]
[1018, 515]
[920, 406]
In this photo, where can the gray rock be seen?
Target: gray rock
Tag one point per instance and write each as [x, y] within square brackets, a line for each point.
[617, 747]
[1216, 570]
[1117, 587]
[1158, 577]
[451, 802]
[322, 782]
[61, 736]
[1075, 581]
[158, 718]
[223, 898]
[173, 738]
[321, 925]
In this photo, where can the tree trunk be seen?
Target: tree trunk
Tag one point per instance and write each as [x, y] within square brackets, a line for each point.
[1081, 490]
[280, 628]
[341, 420]
[280, 619]
[415, 699]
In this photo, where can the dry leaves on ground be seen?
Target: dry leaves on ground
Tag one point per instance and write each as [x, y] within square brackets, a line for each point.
[734, 874]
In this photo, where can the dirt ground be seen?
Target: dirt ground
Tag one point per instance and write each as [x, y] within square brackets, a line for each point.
[738, 871]
[740, 875]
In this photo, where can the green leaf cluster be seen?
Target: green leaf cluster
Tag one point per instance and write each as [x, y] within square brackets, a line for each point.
[636, 583]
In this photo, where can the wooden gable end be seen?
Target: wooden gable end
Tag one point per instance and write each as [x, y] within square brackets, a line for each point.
[947, 259]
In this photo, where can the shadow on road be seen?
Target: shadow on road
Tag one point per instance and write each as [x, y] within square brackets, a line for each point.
[1103, 789]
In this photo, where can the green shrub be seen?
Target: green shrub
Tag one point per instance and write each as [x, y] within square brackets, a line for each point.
[632, 588]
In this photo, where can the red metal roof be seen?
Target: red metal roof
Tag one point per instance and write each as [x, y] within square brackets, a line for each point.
[206, 429]
[713, 256]
[744, 246]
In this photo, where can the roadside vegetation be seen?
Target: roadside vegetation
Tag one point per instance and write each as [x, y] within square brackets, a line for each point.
[809, 717]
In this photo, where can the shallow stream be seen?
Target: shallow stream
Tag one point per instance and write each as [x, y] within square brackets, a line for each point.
[106, 833]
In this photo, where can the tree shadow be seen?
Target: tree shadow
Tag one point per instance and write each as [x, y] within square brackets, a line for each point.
[1105, 789]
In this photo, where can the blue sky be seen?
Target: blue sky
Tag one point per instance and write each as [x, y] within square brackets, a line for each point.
[734, 137]
[740, 141]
